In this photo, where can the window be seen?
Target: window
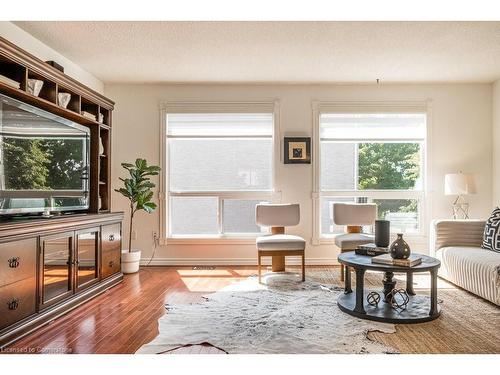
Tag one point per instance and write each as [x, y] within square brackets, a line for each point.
[219, 166]
[372, 157]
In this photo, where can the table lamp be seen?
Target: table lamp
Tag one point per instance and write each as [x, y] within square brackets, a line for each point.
[459, 184]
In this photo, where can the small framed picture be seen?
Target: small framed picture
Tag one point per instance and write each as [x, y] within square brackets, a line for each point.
[297, 150]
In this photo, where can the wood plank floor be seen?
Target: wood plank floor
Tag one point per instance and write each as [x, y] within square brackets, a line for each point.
[125, 317]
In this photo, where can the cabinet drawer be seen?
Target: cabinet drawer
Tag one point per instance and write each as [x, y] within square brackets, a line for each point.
[17, 301]
[110, 262]
[17, 261]
[111, 246]
[111, 237]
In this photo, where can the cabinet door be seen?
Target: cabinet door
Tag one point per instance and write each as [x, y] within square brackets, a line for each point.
[56, 267]
[110, 250]
[86, 265]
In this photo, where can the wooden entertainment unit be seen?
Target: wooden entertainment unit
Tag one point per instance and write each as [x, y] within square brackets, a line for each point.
[51, 265]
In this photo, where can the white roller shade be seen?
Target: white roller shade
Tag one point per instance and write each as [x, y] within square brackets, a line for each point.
[375, 126]
[220, 124]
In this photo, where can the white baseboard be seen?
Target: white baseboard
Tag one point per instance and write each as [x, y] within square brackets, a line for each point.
[232, 261]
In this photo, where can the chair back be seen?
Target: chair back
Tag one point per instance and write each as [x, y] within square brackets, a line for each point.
[277, 215]
[354, 213]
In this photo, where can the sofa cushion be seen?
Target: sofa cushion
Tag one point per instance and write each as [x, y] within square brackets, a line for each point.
[472, 268]
[491, 236]
[280, 242]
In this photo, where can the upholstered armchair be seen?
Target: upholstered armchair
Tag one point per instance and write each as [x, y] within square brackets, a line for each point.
[278, 244]
[353, 216]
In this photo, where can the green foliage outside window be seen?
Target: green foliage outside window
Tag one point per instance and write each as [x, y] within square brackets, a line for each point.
[389, 166]
[394, 166]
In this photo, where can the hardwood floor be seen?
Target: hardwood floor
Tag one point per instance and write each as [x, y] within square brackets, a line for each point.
[125, 317]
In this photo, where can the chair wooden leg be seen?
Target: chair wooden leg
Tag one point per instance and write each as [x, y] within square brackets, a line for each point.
[342, 272]
[303, 267]
[278, 263]
[259, 267]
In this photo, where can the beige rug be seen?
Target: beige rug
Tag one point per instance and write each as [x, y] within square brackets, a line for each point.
[284, 316]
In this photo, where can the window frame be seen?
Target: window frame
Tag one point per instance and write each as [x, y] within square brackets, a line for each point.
[271, 107]
[420, 107]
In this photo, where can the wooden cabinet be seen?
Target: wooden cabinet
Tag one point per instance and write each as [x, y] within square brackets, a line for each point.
[50, 266]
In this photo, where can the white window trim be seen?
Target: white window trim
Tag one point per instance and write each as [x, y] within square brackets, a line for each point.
[320, 107]
[163, 194]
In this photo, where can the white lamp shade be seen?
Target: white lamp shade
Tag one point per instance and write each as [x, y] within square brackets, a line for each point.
[459, 184]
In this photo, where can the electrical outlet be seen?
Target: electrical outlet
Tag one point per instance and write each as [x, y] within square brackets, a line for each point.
[155, 235]
[134, 235]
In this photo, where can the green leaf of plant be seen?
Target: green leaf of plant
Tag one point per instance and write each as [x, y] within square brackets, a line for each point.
[138, 188]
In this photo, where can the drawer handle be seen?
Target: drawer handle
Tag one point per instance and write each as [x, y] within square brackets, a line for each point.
[14, 304]
[111, 237]
[14, 262]
[111, 263]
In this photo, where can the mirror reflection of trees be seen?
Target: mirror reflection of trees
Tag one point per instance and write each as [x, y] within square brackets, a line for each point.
[43, 164]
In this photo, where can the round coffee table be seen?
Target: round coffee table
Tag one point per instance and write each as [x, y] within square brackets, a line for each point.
[419, 309]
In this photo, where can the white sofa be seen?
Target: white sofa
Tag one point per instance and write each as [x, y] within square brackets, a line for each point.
[457, 244]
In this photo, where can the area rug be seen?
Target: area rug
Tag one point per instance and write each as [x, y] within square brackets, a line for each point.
[284, 316]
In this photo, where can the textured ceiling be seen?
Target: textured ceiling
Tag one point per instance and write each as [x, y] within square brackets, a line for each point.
[278, 51]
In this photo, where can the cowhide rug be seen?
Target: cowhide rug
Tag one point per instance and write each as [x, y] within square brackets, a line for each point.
[283, 316]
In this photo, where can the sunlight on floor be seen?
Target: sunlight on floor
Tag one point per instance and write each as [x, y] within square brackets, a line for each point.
[204, 280]
[204, 273]
[211, 280]
[208, 284]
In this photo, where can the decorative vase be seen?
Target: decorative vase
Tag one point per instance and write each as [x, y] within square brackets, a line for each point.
[63, 99]
[34, 86]
[382, 233]
[101, 147]
[399, 248]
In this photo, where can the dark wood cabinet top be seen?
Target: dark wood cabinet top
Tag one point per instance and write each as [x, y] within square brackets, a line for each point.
[22, 226]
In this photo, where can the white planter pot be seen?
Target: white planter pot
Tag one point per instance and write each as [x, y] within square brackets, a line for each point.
[130, 261]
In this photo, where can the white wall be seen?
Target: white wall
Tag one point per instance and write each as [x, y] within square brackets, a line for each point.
[496, 143]
[461, 128]
[21, 38]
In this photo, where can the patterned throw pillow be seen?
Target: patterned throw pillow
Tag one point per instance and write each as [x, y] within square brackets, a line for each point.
[491, 236]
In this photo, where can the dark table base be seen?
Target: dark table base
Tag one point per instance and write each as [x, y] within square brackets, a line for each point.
[417, 310]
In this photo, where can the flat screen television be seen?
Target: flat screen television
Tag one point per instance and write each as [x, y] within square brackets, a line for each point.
[44, 161]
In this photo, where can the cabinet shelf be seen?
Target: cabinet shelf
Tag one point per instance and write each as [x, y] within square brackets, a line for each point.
[45, 105]
[85, 107]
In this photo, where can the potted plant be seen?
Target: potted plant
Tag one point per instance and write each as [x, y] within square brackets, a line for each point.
[138, 190]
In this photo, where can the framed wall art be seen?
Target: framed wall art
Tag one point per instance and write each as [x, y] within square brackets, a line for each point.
[297, 150]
